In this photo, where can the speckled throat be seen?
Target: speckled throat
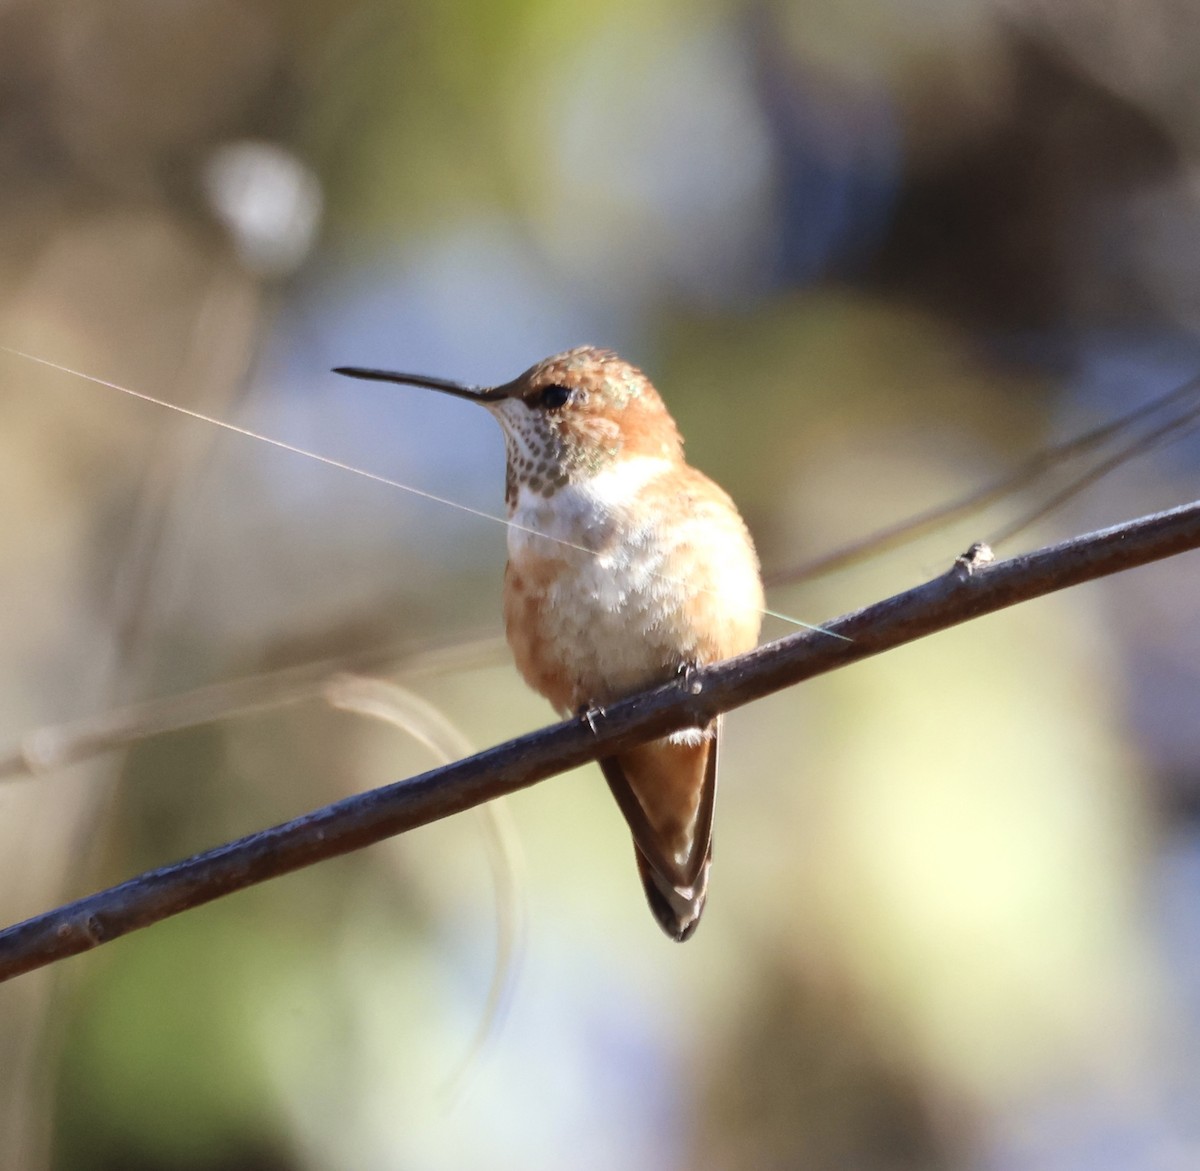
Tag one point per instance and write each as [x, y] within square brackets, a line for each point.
[540, 454]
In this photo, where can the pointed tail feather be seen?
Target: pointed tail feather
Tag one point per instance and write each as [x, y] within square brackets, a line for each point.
[666, 791]
[677, 909]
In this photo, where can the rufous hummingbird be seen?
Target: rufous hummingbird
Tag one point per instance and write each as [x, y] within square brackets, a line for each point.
[626, 567]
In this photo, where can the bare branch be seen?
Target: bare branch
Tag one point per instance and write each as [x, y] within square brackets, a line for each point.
[971, 588]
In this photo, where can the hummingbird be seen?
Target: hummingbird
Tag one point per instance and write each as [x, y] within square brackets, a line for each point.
[626, 567]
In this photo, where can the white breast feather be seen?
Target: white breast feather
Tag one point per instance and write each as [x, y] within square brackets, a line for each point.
[610, 612]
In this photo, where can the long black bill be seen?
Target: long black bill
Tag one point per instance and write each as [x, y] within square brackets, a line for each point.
[479, 394]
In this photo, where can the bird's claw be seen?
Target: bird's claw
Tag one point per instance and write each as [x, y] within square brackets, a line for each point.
[685, 673]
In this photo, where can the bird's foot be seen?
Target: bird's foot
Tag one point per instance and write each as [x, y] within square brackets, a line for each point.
[589, 713]
[686, 676]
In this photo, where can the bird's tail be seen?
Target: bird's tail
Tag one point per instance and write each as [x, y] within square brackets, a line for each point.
[666, 790]
[677, 908]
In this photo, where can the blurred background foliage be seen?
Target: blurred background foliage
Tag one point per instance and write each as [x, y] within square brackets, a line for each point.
[873, 255]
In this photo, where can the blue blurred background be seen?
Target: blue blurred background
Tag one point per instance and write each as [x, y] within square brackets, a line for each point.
[873, 255]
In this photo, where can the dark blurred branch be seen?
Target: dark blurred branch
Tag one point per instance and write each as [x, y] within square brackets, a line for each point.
[968, 590]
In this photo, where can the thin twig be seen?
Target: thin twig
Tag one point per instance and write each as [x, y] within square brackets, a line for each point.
[56, 746]
[384, 700]
[968, 590]
[1032, 470]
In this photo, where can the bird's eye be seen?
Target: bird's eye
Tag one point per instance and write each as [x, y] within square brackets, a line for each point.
[553, 397]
